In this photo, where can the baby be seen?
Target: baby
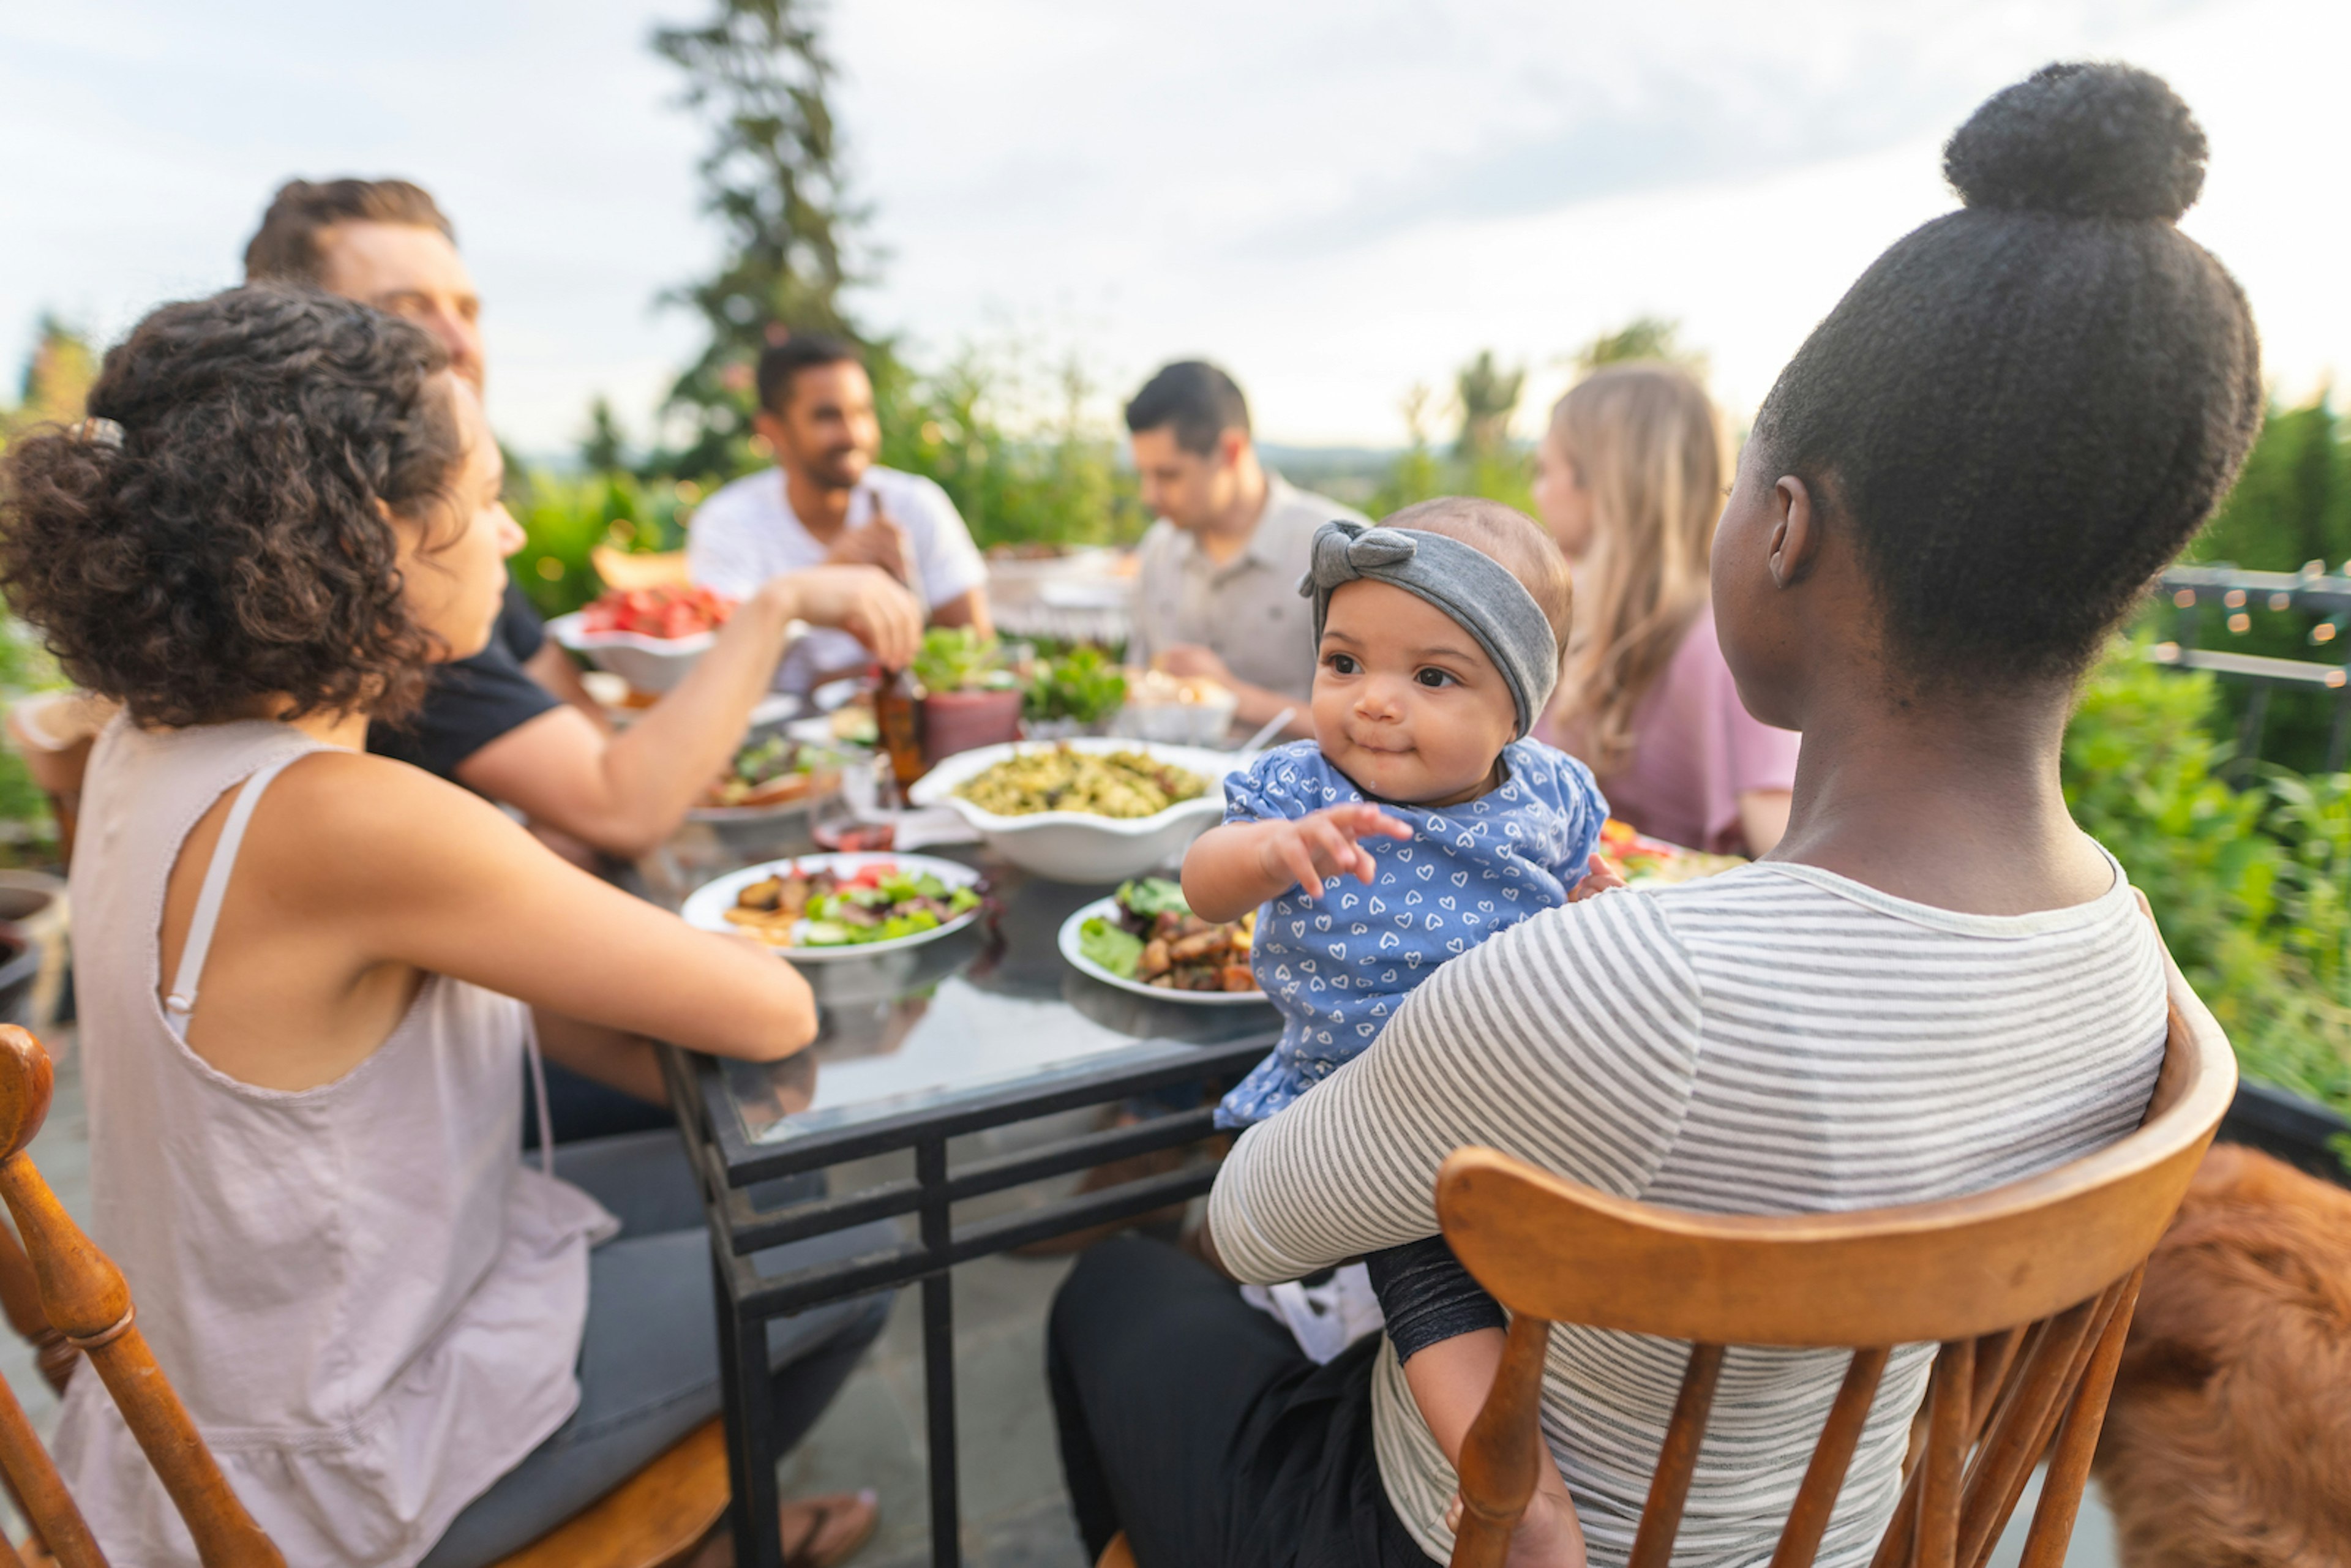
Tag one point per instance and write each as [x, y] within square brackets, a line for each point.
[1438, 637]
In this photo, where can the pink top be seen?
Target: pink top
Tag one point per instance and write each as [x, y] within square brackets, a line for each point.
[1696, 749]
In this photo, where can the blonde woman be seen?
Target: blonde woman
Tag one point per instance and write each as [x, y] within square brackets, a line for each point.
[1630, 479]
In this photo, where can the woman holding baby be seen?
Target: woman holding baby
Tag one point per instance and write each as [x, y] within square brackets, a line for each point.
[1932, 985]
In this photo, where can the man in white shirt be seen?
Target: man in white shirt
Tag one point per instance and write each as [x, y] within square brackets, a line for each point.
[1217, 582]
[827, 502]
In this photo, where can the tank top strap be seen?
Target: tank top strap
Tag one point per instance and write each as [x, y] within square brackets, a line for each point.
[180, 1002]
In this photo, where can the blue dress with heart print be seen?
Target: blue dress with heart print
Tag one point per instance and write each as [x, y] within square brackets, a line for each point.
[1338, 967]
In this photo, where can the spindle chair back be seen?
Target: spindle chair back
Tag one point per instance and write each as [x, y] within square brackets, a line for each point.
[2026, 1289]
[83, 1296]
[63, 1294]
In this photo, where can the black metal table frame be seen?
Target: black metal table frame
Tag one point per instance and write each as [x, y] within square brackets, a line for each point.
[726, 1162]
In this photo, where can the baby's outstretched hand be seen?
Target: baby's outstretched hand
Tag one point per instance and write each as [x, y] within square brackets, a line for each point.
[1601, 877]
[1322, 844]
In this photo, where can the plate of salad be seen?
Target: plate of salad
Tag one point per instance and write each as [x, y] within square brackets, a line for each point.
[769, 777]
[819, 907]
[1145, 939]
[1645, 861]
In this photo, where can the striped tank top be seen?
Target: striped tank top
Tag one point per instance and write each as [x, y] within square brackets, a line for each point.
[1776, 1040]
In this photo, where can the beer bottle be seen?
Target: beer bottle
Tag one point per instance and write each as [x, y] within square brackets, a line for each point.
[898, 716]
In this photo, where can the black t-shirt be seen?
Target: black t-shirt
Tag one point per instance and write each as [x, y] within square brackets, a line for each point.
[472, 702]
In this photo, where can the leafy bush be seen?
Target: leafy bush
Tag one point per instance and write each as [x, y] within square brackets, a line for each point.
[565, 518]
[1499, 471]
[29, 831]
[1023, 466]
[2252, 887]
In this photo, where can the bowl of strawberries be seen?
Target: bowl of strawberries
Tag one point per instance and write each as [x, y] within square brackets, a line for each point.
[648, 636]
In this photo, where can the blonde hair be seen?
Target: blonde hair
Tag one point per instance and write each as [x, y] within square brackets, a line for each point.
[1647, 447]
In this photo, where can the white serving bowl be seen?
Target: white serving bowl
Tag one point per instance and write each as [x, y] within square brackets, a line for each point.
[1078, 846]
[648, 664]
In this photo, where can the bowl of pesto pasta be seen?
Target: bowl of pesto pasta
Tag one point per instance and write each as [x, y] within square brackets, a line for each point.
[1083, 811]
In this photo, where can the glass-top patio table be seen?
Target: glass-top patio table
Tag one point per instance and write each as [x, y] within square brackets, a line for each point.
[982, 1029]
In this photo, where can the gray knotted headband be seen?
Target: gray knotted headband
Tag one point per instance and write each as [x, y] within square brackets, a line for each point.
[1467, 584]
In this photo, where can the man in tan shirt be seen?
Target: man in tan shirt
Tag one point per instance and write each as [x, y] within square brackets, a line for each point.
[1217, 586]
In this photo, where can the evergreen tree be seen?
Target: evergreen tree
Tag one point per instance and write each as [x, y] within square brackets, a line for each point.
[605, 449]
[2314, 483]
[1488, 396]
[758, 73]
[1642, 337]
[2292, 501]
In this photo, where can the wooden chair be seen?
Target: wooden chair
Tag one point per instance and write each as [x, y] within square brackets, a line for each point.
[2028, 1289]
[654, 1519]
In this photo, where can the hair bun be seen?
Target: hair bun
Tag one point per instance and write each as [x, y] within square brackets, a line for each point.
[2083, 140]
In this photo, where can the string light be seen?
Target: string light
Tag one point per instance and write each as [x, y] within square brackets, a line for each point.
[2241, 623]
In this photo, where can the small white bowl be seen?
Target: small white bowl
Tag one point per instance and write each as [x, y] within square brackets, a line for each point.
[1078, 846]
[1179, 723]
[648, 664]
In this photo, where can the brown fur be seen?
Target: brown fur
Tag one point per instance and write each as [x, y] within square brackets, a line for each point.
[2228, 1444]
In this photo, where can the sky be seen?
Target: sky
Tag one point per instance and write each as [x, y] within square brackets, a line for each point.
[1339, 200]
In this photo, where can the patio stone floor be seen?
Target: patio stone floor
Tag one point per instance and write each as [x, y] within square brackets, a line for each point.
[1015, 1515]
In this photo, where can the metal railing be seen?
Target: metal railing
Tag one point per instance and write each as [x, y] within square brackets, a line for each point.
[2195, 590]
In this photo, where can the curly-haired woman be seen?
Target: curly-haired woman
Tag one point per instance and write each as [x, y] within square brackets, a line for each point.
[309, 977]
[1630, 479]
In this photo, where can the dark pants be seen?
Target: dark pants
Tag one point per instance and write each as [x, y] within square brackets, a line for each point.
[580, 1109]
[649, 1359]
[1193, 1423]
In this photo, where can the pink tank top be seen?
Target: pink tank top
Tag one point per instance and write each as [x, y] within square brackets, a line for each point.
[369, 1305]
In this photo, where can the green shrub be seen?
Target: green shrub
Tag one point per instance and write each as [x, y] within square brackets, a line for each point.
[564, 518]
[2252, 887]
[1017, 476]
[29, 831]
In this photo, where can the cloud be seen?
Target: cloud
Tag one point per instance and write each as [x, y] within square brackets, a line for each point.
[1340, 197]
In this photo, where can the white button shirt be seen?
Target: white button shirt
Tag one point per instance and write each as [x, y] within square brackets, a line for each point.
[746, 533]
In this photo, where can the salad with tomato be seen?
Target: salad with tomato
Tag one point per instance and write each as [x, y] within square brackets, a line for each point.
[670, 610]
[1642, 861]
[882, 903]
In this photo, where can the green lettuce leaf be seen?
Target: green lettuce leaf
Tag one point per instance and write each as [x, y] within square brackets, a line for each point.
[1108, 946]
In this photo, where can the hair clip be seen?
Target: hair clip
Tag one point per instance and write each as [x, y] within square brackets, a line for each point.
[101, 431]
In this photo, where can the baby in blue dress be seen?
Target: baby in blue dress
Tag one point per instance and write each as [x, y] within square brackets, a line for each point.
[1420, 819]
[1418, 822]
